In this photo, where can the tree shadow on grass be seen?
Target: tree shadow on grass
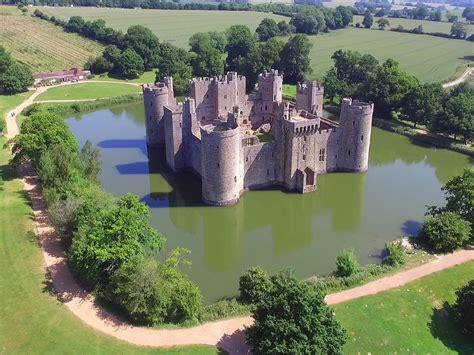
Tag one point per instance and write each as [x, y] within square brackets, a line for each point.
[234, 343]
[443, 328]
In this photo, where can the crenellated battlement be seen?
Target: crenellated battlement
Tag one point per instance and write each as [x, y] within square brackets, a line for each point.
[235, 142]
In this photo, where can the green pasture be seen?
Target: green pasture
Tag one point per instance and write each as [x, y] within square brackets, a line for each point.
[429, 58]
[411, 319]
[428, 26]
[88, 91]
[146, 78]
[8, 102]
[174, 26]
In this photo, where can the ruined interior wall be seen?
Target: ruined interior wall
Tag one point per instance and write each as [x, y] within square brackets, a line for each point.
[175, 152]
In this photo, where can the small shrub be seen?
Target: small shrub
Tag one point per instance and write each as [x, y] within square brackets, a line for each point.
[224, 309]
[346, 263]
[253, 285]
[395, 254]
[445, 231]
[464, 308]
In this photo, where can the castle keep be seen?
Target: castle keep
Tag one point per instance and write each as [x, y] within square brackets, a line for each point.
[237, 142]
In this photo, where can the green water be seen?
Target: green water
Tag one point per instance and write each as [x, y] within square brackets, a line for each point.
[273, 228]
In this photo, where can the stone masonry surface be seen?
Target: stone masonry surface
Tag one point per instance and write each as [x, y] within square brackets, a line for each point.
[237, 142]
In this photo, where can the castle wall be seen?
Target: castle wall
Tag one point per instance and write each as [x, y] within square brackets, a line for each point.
[260, 168]
[221, 165]
[354, 141]
[154, 100]
[175, 151]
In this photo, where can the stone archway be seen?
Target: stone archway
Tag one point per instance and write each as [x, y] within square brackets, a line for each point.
[309, 176]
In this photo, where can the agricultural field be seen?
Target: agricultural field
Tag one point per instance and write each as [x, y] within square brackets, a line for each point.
[41, 45]
[174, 26]
[412, 319]
[428, 26]
[429, 58]
[88, 91]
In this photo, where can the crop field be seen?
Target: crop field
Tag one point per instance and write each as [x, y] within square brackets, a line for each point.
[41, 45]
[174, 26]
[428, 26]
[429, 58]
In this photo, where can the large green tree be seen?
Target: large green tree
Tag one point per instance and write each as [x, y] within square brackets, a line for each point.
[368, 20]
[116, 236]
[130, 64]
[293, 318]
[207, 53]
[154, 293]
[459, 30]
[423, 102]
[40, 131]
[308, 22]
[464, 308]
[445, 231]
[267, 29]
[16, 78]
[144, 43]
[294, 61]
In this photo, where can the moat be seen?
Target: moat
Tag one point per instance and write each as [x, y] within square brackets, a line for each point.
[271, 228]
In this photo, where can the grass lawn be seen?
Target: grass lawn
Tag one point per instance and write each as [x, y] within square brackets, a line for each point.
[146, 78]
[41, 45]
[31, 319]
[8, 102]
[428, 26]
[428, 58]
[174, 26]
[88, 91]
[289, 89]
[409, 319]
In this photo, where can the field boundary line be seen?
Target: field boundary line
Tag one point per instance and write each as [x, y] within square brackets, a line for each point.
[226, 334]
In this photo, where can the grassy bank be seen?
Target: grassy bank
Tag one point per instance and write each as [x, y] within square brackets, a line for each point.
[41, 45]
[146, 78]
[410, 319]
[88, 91]
[31, 318]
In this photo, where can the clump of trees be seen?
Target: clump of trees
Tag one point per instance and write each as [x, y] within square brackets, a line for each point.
[291, 317]
[110, 244]
[314, 19]
[396, 93]
[14, 77]
[451, 227]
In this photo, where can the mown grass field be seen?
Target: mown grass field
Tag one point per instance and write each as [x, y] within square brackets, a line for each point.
[88, 91]
[41, 45]
[145, 78]
[8, 102]
[174, 26]
[428, 26]
[428, 58]
[409, 319]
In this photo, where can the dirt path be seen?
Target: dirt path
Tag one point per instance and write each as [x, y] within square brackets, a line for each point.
[226, 334]
[459, 80]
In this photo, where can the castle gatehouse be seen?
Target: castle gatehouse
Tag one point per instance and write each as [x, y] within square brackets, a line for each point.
[237, 142]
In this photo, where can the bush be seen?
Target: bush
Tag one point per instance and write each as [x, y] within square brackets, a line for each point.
[292, 318]
[253, 285]
[154, 293]
[464, 308]
[395, 254]
[224, 309]
[346, 263]
[445, 231]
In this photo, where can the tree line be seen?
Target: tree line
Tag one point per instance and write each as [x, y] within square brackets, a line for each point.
[129, 54]
[397, 94]
[14, 76]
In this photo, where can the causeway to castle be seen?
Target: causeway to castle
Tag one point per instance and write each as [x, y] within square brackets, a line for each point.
[237, 142]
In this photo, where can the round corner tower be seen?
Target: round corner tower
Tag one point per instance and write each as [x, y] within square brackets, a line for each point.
[155, 97]
[356, 125]
[220, 164]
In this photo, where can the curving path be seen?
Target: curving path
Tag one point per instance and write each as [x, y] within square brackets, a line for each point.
[226, 334]
[459, 80]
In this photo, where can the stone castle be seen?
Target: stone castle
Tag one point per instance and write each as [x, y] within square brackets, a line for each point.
[237, 142]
